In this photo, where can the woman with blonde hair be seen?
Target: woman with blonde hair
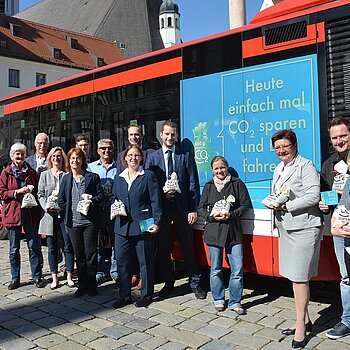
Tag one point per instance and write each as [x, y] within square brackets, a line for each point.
[51, 223]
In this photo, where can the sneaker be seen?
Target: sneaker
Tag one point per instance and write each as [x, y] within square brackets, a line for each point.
[339, 331]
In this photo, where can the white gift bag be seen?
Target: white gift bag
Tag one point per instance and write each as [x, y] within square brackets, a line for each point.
[29, 200]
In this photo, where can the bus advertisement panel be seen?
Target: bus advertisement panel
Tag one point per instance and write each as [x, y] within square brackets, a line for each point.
[235, 113]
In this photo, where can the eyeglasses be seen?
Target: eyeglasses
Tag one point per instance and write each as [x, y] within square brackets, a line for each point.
[283, 147]
[130, 156]
[106, 148]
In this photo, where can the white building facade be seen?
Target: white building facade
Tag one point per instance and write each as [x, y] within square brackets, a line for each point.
[17, 75]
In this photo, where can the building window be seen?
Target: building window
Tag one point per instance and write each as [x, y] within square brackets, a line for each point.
[100, 62]
[177, 25]
[73, 43]
[40, 79]
[169, 22]
[16, 30]
[162, 23]
[57, 54]
[4, 44]
[14, 78]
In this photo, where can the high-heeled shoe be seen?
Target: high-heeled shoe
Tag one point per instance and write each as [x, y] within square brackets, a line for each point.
[291, 331]
[299, 344]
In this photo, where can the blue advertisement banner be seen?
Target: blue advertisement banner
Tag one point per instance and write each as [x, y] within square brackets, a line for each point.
[235, 113]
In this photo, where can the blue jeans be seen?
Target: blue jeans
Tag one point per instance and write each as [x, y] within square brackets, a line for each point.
[235, 257]
[106, 228]
[344, 282]
[32, 238]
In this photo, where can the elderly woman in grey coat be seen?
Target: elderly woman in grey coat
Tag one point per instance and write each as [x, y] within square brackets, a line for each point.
[51, 224]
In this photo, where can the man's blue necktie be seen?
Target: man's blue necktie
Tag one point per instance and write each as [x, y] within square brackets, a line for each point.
[170, 163]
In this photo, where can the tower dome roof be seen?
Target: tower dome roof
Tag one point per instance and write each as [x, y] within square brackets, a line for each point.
[168, 6]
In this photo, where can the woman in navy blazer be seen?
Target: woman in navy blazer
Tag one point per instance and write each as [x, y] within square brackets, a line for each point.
[82, 229]
[138, 190]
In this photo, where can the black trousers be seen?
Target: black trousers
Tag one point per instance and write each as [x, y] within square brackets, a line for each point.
[84, 241]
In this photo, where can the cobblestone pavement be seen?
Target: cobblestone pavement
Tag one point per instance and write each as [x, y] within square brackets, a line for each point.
[32, 318]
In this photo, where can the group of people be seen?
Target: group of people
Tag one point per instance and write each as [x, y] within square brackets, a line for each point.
[135, 182]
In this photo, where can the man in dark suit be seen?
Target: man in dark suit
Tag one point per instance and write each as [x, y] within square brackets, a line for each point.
[179, 208]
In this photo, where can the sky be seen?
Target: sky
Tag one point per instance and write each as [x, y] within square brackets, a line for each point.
[198, 18]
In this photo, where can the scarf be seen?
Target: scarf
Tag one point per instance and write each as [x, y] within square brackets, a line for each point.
[220, 184]
[20, 174]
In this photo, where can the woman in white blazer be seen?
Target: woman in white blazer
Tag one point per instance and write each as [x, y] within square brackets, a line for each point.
[51, 224]
[299, 222]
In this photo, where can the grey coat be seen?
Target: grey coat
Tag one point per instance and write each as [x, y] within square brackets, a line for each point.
[302, 207]
[47, 183]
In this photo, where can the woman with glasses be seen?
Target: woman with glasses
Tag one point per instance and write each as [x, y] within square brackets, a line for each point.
[51, 223]
[138, 190]
[82, 229]
[298, 221]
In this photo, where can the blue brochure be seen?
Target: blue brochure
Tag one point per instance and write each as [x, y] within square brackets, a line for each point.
[146, 224]
[329, 197]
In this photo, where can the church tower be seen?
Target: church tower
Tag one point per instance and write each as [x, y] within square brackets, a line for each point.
[169, 23]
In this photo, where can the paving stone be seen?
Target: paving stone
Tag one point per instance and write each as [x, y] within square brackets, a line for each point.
[23, 310]
[172, 346]
[217, 345]
[85, 337]
[67, 329]
[135, 338]
[141, 324]
[5, 316]
[265, 309]
[50, 340]
[188, 312]
[192, 340]
[34, 315]
[278, 346]
[168, 319]
[167, 307]
[273, 334]
[105, 343]
[204, 317]
[116, 331]
[6, 335]
[18, 295]
[246, 327]
[271, 321]
[96, 324]
[50, 321]
[32, 331]
[223, 322]
[88, 307]
[147, 313]
[161, 331]
[17, 344]
[104, 313]
[213, 331]
[244, 339]
[122, 318]
[69, 345]
[191, 325]
[14, 323]
[152, 343]
[77, 317]
[196, 303]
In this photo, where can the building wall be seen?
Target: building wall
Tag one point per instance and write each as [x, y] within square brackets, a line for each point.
[28, 70]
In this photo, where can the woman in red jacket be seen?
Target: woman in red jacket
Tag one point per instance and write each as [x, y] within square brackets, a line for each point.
[14, 181]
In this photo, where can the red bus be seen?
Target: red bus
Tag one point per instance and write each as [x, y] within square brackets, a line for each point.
[228, 92]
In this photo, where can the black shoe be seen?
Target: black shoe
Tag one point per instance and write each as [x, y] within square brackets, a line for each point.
[80, 292]
[291, 331]
[143, 302]
[39, 283]
[13, 285]
[166, 290]
[298, 344]
[121, 302]
[199, 293]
